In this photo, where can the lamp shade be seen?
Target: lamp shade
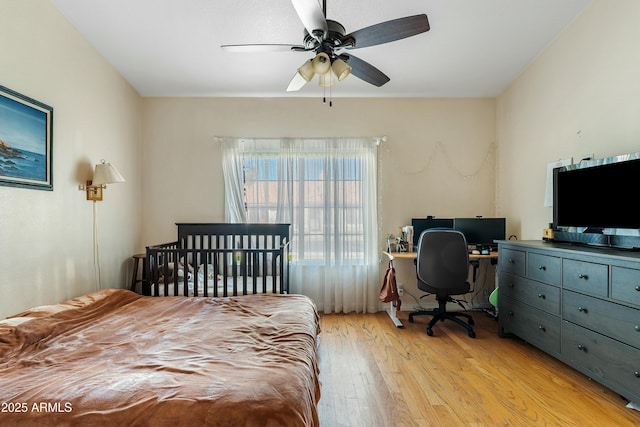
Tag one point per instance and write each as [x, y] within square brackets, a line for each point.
[326, 80]
[341, 69]
[321, 63]
[105, 173]
[306, 71]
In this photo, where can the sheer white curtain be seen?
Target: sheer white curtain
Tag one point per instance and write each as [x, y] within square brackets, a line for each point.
[327, 190]
[232, 169]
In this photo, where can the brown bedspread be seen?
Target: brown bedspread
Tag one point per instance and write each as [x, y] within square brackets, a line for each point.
[117, 358]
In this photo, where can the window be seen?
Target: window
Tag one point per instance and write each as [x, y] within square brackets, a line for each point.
[326, 199]
[326, 190]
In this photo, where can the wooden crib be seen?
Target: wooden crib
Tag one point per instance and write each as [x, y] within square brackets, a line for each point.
[219, 259]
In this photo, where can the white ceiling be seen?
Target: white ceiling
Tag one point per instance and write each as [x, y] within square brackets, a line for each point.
[475, 48]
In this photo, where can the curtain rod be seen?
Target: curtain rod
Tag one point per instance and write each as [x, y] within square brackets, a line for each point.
[377, 139]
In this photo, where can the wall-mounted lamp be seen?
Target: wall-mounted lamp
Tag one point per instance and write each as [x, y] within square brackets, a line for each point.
[104, 174]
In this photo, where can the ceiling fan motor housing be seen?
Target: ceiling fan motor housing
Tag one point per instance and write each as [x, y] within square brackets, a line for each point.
[333, 40]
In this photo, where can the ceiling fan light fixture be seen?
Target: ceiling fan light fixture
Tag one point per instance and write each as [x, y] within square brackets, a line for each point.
[341, 69]
[306, 71]
[326, 80]
[321, 63]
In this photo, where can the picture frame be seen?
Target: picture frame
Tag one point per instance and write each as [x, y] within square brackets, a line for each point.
[26, 142]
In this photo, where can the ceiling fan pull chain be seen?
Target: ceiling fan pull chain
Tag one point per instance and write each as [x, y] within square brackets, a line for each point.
[330, 96]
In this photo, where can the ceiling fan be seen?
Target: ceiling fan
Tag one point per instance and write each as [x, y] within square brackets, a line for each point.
[331, 46]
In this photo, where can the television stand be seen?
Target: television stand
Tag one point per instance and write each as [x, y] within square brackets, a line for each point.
[580, 304]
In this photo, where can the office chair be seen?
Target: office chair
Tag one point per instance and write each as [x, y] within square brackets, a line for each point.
[442, 267]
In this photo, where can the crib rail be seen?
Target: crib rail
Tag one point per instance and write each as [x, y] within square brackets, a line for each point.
[220, 260]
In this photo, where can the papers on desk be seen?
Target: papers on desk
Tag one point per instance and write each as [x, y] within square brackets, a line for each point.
[403, 243]
[407, 236]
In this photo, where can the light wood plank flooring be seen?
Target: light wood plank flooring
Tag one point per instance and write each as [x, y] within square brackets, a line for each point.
[374, 374]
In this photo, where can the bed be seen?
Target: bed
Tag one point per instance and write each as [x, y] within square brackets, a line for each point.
[119, 358]
[220, 259]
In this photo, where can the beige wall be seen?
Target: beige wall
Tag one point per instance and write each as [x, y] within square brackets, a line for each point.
[581, 96]
[46, 249]
[439, 158]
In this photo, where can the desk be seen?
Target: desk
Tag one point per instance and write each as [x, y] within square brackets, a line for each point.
[391, 311]
[412, 255]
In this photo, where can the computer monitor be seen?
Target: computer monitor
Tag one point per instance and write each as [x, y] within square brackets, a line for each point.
[422, 224]
[481, 231]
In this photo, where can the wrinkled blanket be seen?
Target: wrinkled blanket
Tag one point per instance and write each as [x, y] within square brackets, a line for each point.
[117, 358]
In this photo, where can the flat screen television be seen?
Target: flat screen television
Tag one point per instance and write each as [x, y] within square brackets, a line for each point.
[597, 195]
[480, 231]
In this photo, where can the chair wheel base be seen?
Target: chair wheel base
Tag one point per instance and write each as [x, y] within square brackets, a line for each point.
[441, 314]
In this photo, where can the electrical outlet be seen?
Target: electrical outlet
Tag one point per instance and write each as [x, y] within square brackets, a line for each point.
[400, 289]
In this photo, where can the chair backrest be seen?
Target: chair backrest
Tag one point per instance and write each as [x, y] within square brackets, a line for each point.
[442, 262]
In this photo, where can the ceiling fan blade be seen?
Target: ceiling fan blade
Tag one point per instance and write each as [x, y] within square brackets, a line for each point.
[365, 71]
[312, 17]
[250, 48]
[388, 31]
[296, 83]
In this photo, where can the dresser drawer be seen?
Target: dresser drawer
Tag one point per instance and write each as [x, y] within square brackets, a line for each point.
[614, 320]
[536, 294]
[625, 285]
[607, 361]
[585, 277]
[544, 268]
[512, 261]
[535, 326]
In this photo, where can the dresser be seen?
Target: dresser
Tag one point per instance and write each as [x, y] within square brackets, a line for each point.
[580, 304]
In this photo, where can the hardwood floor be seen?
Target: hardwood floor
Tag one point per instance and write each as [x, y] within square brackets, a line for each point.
[374, 374]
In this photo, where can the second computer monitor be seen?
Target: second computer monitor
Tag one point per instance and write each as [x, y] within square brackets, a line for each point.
[482, 232]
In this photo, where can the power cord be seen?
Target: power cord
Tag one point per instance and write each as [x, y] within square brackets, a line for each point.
[96, 247]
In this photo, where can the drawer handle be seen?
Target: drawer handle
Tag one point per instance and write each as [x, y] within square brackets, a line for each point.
[542, 328]
[510, 285]
[510, 313]
[582, 310]
[582, 348]
[542, 296]
[511, 261]
[638, 288]
[583, 276]
[542, 267]
[637, 328]
[637, 374]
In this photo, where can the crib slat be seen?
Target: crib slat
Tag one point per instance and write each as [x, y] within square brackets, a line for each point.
[248, 258]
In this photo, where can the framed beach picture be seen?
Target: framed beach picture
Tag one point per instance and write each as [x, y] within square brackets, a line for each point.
[26, 132]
